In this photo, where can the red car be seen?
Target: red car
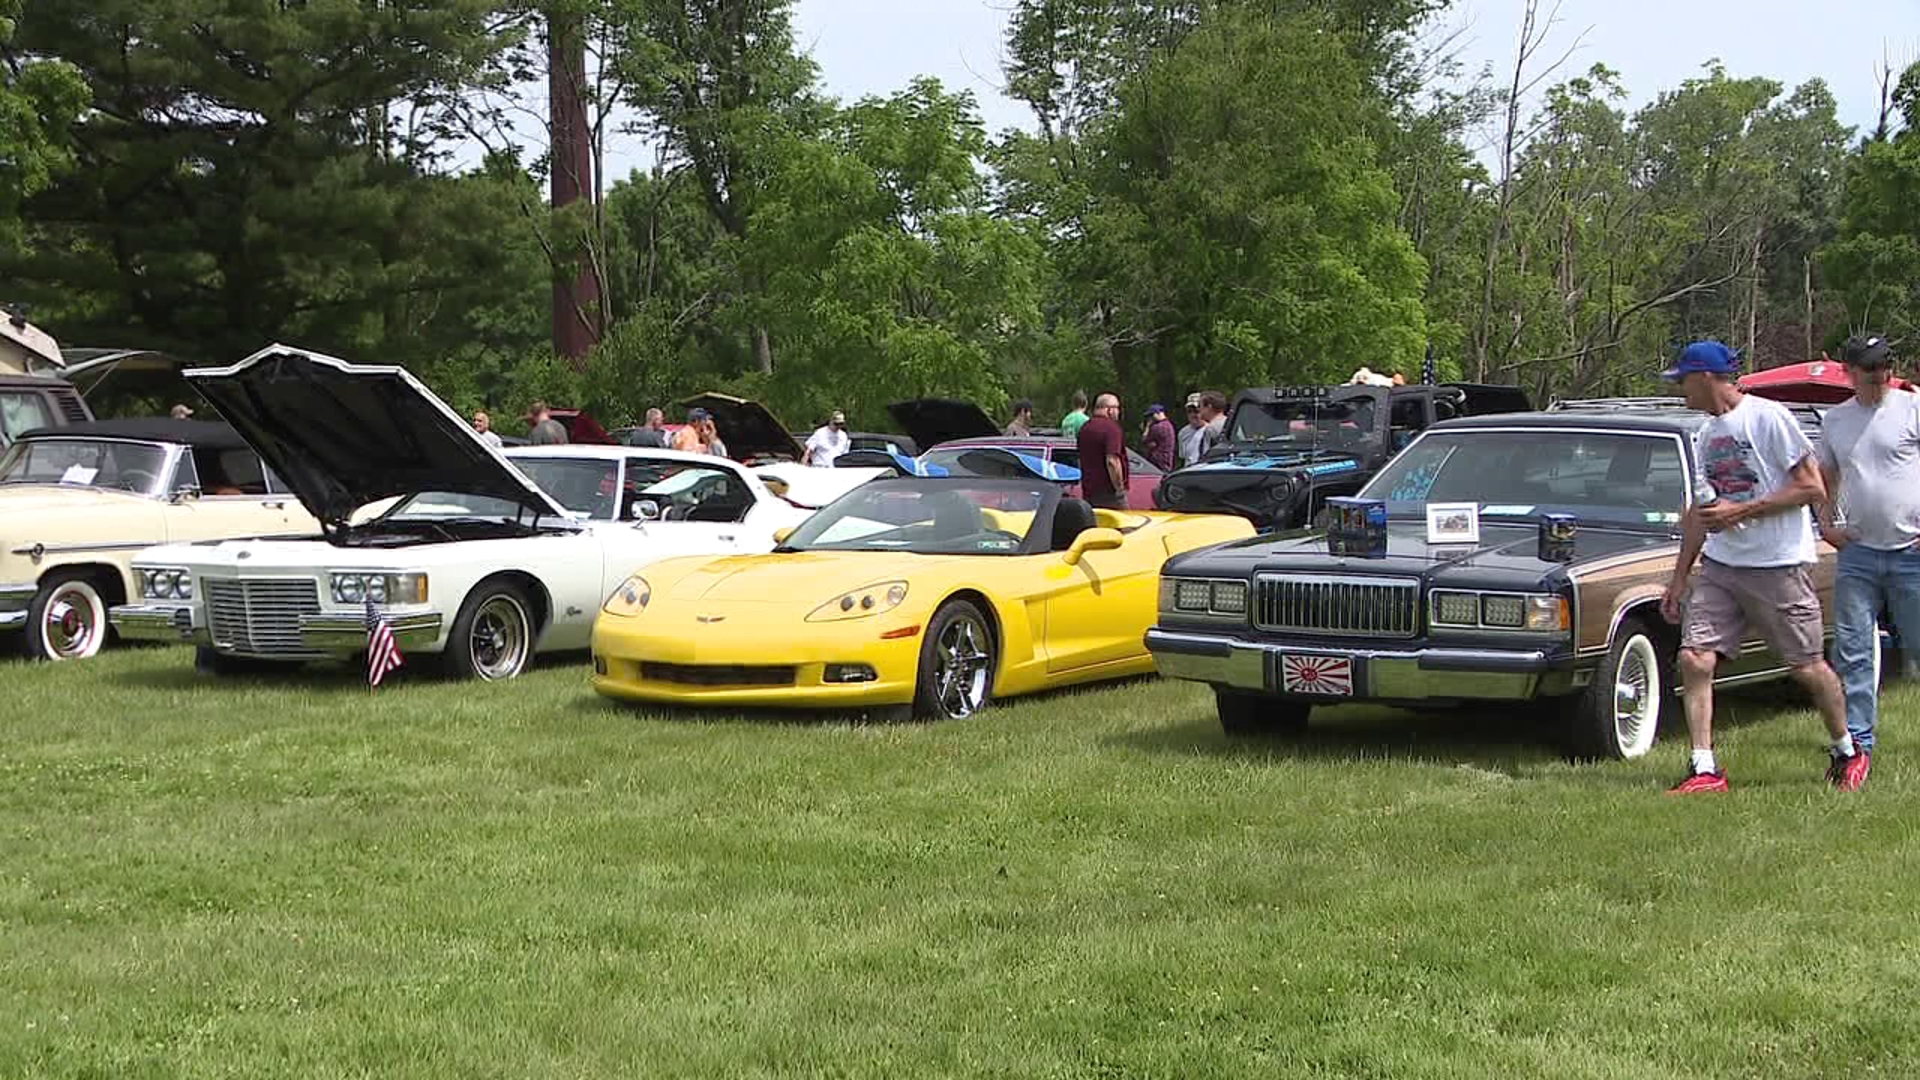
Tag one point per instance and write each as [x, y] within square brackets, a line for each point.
[965, 442]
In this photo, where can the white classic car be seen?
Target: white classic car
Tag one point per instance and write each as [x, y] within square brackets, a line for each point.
[465, 555]
[77, 502]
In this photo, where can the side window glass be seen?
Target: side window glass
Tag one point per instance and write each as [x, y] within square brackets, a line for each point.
[184, 475]
[22, 412]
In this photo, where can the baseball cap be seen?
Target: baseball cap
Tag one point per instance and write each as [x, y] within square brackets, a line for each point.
[694, 416]
[1867, 353]
[1709, 357]
[1156, 409]
[838, 417]
[1193, 401]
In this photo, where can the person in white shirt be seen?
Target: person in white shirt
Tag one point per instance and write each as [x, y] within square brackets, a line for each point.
[1870, 459]
[828, 443]
[483, 426]
[1749, 519]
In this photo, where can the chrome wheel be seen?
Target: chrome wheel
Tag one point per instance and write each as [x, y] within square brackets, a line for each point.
[499, 639]
[73, 624]
[963, 666]
[1636, 698]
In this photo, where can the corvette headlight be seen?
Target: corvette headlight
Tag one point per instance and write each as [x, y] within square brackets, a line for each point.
[630, 599]
[165, 583]
[381, 588]
[860, 603]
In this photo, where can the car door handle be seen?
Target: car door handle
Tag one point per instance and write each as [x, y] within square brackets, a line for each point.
[728, 537]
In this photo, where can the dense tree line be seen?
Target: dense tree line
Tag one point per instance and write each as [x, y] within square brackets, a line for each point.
[1215, 193]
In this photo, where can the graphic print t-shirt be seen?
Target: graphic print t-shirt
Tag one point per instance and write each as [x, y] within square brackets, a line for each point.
[1747, 454]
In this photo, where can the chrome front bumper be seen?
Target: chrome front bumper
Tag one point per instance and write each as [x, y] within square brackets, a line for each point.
[15, 601]
[159, 622]
[339, 634]
[347, 634]
[1412, 675]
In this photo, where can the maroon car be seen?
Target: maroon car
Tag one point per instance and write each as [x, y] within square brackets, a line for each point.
[964, 441]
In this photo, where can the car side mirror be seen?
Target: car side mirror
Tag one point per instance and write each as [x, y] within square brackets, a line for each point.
[183, 493]
[781, 536]
[1092, 540]
[643, 510]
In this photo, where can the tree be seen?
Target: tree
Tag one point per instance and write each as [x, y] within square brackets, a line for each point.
[1875, 262]
[241, 180]
[1214, 238]
[713, 78]
[39, 101]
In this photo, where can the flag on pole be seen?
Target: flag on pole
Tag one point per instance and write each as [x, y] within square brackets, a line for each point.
[1430, 371]
[383, 653]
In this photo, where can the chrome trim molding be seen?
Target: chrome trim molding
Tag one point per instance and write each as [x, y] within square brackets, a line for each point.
[41, 550]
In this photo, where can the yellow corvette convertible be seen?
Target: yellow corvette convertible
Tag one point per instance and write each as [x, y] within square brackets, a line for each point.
[934, 595]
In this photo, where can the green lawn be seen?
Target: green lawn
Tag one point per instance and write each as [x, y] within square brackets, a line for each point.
[303, 879]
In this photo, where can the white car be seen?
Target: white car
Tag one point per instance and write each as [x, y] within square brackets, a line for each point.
[462, 553]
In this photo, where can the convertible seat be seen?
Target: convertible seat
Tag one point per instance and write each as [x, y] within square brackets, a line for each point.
[1071, 518]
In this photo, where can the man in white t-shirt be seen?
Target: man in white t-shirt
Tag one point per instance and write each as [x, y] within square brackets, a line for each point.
[1749, 518]
[1870, 458]
[828, 443]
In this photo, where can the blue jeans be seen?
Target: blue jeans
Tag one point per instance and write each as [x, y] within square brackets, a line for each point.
[1867, 581]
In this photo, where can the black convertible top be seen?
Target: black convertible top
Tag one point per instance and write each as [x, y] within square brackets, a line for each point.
[203, 434]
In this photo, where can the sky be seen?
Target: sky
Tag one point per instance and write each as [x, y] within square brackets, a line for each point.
[876, 46]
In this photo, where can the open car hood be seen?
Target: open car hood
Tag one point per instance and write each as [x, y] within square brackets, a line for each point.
[747, 428]
[344, 435]
[932, 421]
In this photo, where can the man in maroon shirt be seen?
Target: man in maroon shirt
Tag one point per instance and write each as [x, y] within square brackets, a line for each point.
[1103, 455]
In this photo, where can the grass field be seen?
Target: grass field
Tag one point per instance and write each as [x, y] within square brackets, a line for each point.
[303, 879]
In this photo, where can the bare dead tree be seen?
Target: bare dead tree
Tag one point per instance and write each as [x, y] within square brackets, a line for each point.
[1534, 32]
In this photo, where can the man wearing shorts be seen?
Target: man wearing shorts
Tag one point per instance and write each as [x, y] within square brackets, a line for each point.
[1750, 520]
[1870, 460]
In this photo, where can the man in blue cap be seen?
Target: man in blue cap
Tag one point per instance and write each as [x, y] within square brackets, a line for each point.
[1749, 518]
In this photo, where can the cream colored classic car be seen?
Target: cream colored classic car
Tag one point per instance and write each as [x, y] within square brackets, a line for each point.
[77, 502]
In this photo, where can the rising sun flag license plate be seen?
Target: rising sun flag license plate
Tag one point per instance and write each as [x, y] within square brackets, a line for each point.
[1326, 676]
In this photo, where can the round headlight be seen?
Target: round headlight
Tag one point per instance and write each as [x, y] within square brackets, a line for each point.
[352, 588]
[377, 588]
[146, 583]
[182, 585]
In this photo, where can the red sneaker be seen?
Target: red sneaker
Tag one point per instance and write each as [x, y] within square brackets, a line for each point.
[1701, 783]
[1850, 774]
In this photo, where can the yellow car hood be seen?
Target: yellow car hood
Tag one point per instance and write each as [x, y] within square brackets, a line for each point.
[801, 577]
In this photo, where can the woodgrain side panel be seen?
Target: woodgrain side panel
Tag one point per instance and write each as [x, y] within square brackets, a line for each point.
[1609, 586]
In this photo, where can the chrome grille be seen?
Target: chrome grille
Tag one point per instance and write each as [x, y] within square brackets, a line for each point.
[1344, 606]
[260, 616]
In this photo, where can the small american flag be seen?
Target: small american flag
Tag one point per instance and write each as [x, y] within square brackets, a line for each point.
[383, 653]
[1430, 371]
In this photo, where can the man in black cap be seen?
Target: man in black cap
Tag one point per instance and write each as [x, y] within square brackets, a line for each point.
[1870, 455]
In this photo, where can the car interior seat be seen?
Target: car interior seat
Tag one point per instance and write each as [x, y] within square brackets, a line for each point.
[1071, 518]
[955, 517]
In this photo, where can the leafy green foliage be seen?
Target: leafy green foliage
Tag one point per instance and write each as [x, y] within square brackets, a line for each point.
[240, 182]
[1875, 263]
[38, 102]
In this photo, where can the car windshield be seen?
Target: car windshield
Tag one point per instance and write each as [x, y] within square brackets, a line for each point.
[1617, 478]
[585, 486]
[93, 463]
[942, 519]
[1347, 421]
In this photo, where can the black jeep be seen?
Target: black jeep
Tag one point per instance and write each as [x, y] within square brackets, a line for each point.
[1289, 449]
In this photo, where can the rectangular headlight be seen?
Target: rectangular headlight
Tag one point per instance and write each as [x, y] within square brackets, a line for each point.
[1456, 609]
[1504, 612]
[1230, 597]
[1193, 595]
[1548, 613]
